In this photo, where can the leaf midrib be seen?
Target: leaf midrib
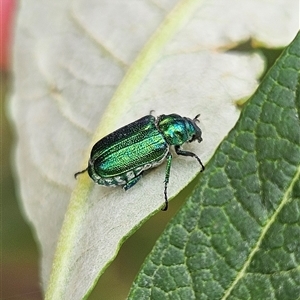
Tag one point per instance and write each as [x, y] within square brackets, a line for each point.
[265, 229]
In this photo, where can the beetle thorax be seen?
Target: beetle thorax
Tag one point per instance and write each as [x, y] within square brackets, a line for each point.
[176, 129]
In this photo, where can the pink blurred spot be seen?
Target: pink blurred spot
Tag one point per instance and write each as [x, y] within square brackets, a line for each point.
[7, 11]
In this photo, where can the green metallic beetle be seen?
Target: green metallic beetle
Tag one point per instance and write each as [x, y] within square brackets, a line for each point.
[121, 157]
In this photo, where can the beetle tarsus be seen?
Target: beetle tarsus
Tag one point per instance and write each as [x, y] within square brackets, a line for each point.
[187, 153]
[166, 206]
[166, 199]
[80, 172]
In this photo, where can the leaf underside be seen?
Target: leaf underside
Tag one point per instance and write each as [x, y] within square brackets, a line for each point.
[238, 236]
[83, 69]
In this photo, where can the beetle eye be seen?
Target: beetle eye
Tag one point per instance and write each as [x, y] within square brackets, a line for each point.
[193, 138]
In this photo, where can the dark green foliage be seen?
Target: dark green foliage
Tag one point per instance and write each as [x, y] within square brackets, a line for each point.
[238, 236]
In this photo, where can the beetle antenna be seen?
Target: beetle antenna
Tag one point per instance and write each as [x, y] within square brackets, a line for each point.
[196, 118]
[80, 172]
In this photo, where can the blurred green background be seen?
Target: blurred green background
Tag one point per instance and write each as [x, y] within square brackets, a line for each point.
[19, 251]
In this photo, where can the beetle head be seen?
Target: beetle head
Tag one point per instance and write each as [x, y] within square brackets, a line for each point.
[195, 128]
[178, 130]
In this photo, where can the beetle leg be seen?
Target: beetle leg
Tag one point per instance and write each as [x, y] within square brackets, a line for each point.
[132, 182]
[169, 160]
[80, 172]
[187, 153]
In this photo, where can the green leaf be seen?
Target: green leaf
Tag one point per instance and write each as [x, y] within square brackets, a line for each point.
[238, 236]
